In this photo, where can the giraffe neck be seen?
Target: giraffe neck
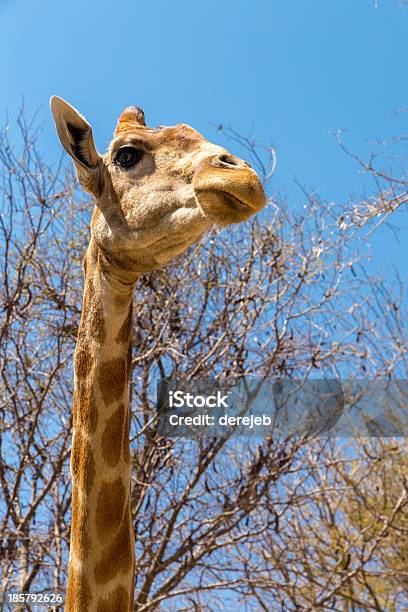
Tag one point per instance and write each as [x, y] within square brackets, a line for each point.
[101, 566]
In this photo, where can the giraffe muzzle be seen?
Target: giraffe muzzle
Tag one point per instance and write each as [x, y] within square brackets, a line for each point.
[229, 193]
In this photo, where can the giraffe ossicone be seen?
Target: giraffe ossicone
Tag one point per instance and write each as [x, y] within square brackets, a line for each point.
[156, 192]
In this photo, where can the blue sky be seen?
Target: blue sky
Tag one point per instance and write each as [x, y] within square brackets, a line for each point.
[294, 71]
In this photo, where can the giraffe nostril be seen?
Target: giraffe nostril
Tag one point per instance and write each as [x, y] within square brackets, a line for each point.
[229, 160]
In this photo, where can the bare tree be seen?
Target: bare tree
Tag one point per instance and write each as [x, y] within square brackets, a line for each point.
[219, 521]
[340, 541]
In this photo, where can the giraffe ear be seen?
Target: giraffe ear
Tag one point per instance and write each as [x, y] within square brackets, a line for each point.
[75, 135]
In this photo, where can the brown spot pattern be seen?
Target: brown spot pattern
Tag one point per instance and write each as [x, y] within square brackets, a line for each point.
[97, 323]
[85, 411]
[89, 289]
[116, 601]
[112, 378]
[110, 508]
[112, 436]
[93, 313]
[121, 300]
[82, 462]
[82, 362]
[129, 362]
[126, 445]
[117, 557]
[123, 334]
[79, 593]
[80, 525]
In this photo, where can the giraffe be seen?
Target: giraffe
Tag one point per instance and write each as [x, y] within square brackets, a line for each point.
[156, 191]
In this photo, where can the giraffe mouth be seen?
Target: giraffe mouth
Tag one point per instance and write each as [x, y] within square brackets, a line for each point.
[233, 202]
[223, 207]
[224, 199]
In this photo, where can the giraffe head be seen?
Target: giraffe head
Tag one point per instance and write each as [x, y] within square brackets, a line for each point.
[156, 190]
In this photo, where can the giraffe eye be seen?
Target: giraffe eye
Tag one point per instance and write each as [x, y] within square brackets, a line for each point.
[128, 156]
